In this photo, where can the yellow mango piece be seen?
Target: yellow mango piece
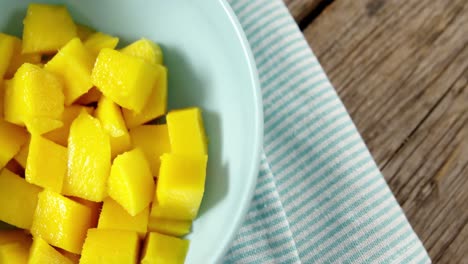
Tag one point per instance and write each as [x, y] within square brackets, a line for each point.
[7, 46]
[186, 131]
[73, 63]
[110, 247]
[47, 28]
[95, 208]
[84, 32]
[61, 221]
[169, 227]
[98, 41]
[110, 115]
[18, 200]
[34, 97]
[145, 49]
[60, 135]
[124, 79]
[162, 219]
[181, 184]
[163, 249]
[19, 58]
[130, 181]
[157, 102]
[156, 105]
[114, 216]
[14, 253]
[41, 252]
[2, 97]
[12, 138]
[14, 236]
[154, 141]
[89, 159]
[161, 212]
[92, 96]
[11, 109]
[41, 125]
[22, 155]
[120, 144]
[48, 174]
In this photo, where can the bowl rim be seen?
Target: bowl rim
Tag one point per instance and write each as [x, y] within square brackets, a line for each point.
[245, 201]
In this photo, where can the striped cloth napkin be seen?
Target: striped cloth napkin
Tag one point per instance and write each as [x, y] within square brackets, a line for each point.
[320, 197]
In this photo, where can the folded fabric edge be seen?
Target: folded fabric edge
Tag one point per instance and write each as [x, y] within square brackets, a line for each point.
[281, 52]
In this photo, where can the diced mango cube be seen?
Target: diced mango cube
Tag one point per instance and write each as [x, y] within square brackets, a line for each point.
[60, 135]
[61, 221]
[161, 212]
[92, 96]
[84, 32]
[12, 138]
[169, 227]
[110, 247]
[73, 63]
[145, 49]
[7, 46]
[34, 97]
[114, 216]
[161, 248]
[47, 28]
[125, 79]
[157, 102]
[186, 131]
[12, 100]
[110, 115]
[154, 141]
[89, 159]
[156, 105]
[48, 174]
[41, 252]
[2, 97]
[19, 58]
[13, 236]
[22, 156]
[130, 181]
[181, 184]
[18, 200]
[41, 125]
[95, 208]
[120, 144]
[162, 219]
[98, 41]
[14, 253]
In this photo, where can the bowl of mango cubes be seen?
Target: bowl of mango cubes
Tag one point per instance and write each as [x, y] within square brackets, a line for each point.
[130, 131]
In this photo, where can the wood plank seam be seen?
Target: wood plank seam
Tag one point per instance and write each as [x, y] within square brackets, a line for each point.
[429, 180]
[419, 124]
[424, 119]
[437, 143]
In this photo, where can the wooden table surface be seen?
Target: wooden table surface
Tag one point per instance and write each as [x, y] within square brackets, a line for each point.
[401, 69]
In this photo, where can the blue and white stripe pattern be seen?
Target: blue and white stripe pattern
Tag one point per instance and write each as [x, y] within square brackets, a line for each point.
[320, 197]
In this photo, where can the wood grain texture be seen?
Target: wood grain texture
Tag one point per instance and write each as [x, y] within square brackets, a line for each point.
[401, 69]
